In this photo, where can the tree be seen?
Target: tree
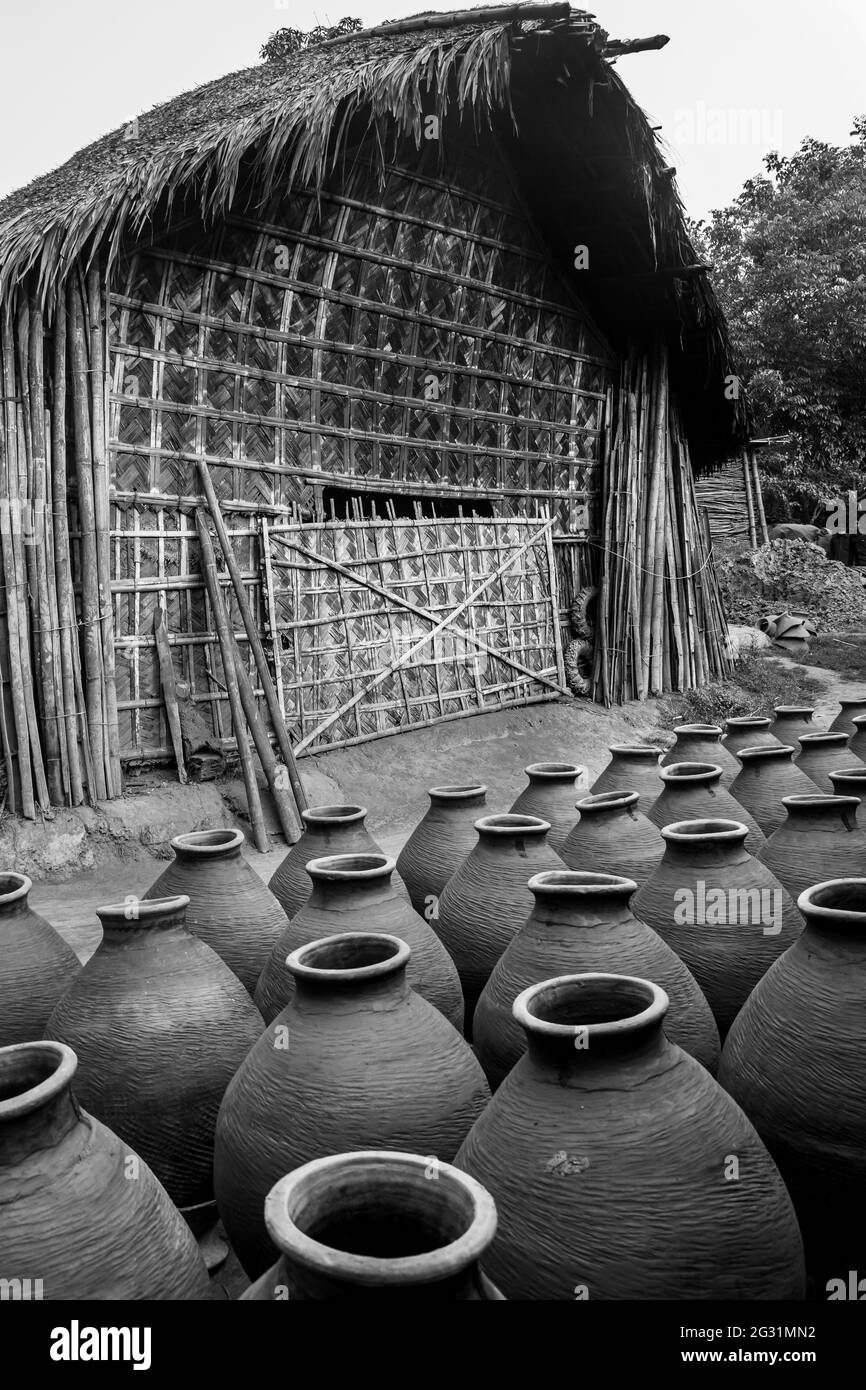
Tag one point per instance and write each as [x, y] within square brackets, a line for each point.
[285, 43]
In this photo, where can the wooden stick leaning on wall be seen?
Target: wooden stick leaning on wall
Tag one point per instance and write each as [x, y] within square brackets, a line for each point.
[8, 520]
[221, 622]
[759, 499]
[166, 676]
[275, 772]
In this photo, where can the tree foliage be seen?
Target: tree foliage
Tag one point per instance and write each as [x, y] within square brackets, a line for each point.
[285, 43]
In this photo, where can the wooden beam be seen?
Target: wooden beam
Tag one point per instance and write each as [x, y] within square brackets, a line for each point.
[614, 48]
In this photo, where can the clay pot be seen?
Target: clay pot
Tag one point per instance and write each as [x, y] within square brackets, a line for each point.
[551, 795]
[693, 791]
[378, 1224]
[748, 732]
[440, 842]
[327, 830]
[82, 1215]
[230, 908]
[352, 893]
[820, 838]
[633, 767]
[584, 923]
[702, 743]
[606, 1150]
[488, 899]
[160, 1025]
[821, 754]
[857, 741]
[851, 709]
[794, 1061]
[723, 911]
[356, 1060]
[767, 775]
[850, 781]
[792, 721]
[36, 964]
[613, 837]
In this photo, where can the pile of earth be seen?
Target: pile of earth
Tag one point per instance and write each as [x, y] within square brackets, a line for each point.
[791, 576]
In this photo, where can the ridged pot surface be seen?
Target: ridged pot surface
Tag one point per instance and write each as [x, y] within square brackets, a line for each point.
[794, 1061]
[613, 836]
[327, 830]
[791, 721]
[160, 1025]
[857, 741]
[351, 893]
[693, 791]
[820, 838]
[766, 776]
[821, 754]
[440, 842]
[747, 732]
[551, 794]
[378, 1224]
[488, 899]
[633, 767]
[230, 908]
[356, 1060]
[702, 743]
[607, 1151]
[36, 964]
[850, 710]
[723, 912]
[584, 923]
[82, 1214]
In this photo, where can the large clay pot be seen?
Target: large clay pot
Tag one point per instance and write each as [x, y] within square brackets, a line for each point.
[327, 830]
[819, 838]
[551, 795]
[748, 732]
[83, 1216]
[378, 1224]
[440, 842]
[850, 781]
[351, 893]
[633, 767]
[693, 791]
[702, 743]
[620, 1169]
[36, 964]
[766, 776]
[821, 754]
[850, 710]
[584, 923]
[488, 899]
[356, 1060]
[230, 908]
[857, 741]
[613, 836]
[794, 1061]
[792, 721]
[723, 911]
[160, 1025]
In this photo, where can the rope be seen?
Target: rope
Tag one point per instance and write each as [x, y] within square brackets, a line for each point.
[618, 554]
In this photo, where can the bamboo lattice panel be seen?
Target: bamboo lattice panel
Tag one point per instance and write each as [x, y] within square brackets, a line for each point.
[335, 634]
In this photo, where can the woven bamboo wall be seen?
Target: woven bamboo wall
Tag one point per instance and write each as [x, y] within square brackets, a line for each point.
[723, 495]
[411, 340]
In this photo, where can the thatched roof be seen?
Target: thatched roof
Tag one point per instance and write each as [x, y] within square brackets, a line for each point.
[539, 72]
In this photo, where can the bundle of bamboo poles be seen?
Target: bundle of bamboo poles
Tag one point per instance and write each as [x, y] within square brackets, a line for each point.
[661, 624]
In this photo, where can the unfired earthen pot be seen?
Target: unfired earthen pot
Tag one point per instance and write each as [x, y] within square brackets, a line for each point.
[821, 837]
[488, 899]
[160, 1025]
[356, 1060]
[748, 732]
[620, 1169]
[850, 710]
[36, 964]
[440, 842]
[633, 767]
[702, 743]
[850, 781]
[791, 721]
[327, 830]
[794, 1061]
[693, 791]
[613, 836]
[551, 795]
[351, 893]
[83, 1215]
[584, 923]
[230, 908]
[857, 741]
[378, 1224]
[821, 754]
[720, 909]
[766, 776]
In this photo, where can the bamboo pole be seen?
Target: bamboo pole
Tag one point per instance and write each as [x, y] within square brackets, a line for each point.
[750, 506]
[62, 717]
[166, 675]
[17, 758]
[762, 516]
[274, 772]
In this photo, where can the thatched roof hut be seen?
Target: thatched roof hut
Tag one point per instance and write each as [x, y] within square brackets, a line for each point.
[421, 303]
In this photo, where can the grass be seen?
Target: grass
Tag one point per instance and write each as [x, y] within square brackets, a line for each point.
[754, 688]
[847, 656]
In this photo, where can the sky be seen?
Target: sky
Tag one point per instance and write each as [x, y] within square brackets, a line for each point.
[737, 79]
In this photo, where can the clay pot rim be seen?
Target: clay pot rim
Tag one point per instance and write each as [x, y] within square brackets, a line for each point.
[857, 772]
[397, 960]
[201, 843]
[606, 801]
[655, 1010]
[698, 729]
[554, 772]
[143, 910]
[16, 894]
[809, 800]
[832, 916]
[749, 721]
[715, 830]
[765, 750]
[334, 814]
[859, 719]
[512, 825]
[336, 868]
[852, 700]
[581, 883]
[785, 710]
[826, 737]
[434, 1265]
[457, 791]
[701, 772]
[636, 750]
[66, 1065]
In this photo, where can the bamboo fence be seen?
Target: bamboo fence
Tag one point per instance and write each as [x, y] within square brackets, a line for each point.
[733, 499]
